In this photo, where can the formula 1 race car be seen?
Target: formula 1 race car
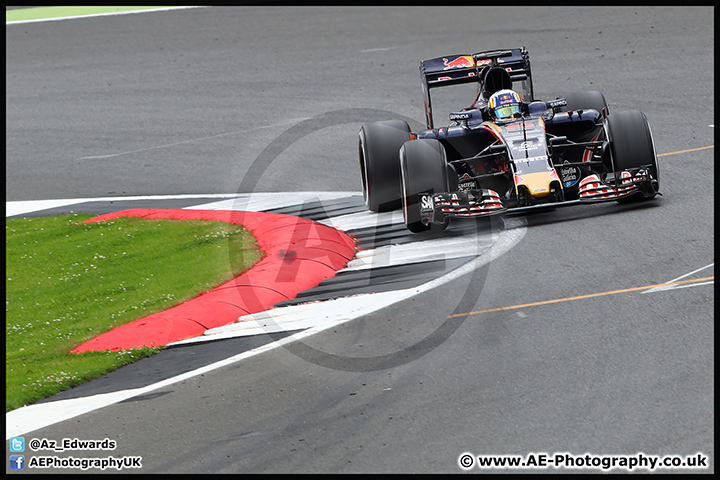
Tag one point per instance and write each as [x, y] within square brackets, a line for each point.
[507, 152]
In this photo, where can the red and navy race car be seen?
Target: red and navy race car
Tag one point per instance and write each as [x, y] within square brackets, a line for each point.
[507, 152]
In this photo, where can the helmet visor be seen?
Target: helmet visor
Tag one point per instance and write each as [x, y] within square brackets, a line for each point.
[506, 111]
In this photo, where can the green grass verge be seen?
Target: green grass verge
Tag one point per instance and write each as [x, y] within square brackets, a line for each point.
[68, 282]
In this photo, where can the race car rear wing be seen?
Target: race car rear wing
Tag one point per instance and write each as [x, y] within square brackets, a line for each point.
[459, 69]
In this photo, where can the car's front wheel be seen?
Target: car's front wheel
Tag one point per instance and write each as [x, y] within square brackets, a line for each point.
[632, 147]
[423, 170]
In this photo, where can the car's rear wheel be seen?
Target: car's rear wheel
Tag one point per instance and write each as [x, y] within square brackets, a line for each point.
[379, 147]
[423, 170]
[632, 147]
[585, 100]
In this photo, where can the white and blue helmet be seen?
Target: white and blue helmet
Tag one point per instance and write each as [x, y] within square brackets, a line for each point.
[504, 104]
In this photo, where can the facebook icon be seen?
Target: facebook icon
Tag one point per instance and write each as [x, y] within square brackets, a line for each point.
[17, 462]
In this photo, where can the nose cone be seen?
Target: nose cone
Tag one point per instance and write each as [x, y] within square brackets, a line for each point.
[538, 184]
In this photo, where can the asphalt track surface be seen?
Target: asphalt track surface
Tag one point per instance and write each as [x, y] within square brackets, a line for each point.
[186, 102]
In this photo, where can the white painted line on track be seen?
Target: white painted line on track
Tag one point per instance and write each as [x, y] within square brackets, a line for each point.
[416, 252]
[22, 207]
[678, 287]
[39, 415]
[249, 202]
[262, 201]
[353, 221]
[675, 287]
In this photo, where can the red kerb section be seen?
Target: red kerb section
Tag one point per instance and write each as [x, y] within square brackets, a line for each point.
[299, 254]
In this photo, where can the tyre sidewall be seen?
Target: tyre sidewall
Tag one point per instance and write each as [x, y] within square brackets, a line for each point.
[379, 146]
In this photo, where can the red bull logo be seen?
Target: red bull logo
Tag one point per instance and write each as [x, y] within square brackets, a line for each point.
[504, 99]
[461, 62]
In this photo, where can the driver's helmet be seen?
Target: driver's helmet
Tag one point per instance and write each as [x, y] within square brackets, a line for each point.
[504, 104]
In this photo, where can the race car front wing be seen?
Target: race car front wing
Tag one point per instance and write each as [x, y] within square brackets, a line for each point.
[437, 208]
[593, 189]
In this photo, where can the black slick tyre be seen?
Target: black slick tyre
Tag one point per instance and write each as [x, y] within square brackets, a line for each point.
[379, 147]
[585, 100]
[632, 147]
